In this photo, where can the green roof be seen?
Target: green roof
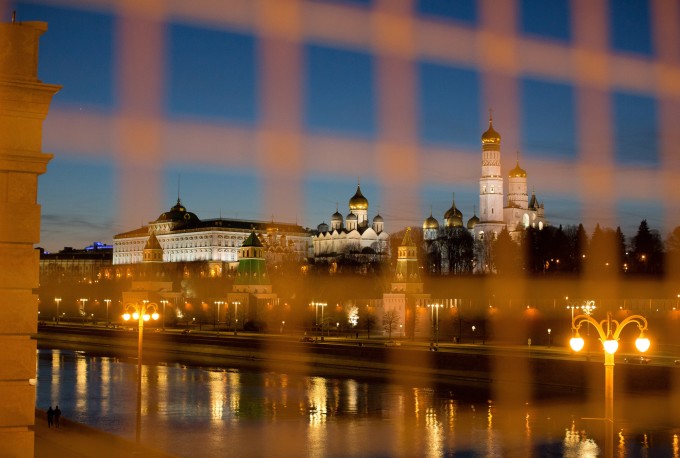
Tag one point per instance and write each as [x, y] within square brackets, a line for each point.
[252, 240]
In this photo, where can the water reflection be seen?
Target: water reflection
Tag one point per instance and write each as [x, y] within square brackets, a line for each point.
[190, 411]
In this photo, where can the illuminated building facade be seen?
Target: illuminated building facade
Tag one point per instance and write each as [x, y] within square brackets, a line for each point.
[517, 214]
[179, 235]
[354, 234]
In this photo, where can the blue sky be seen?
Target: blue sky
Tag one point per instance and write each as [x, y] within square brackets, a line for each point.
[338, 98]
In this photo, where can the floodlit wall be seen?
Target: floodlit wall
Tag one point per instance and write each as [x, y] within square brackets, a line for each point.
[24, 102]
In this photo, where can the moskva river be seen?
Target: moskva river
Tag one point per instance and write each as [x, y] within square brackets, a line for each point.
[194, 411]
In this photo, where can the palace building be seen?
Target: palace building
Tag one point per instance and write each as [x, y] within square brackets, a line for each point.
[179, 235]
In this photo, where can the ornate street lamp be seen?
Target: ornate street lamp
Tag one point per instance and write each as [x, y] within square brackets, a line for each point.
[140, 312]
[609, 331]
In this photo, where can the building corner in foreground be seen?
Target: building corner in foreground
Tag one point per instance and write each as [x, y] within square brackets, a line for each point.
[24, 103]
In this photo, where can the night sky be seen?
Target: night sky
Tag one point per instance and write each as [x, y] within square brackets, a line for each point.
[338, 98]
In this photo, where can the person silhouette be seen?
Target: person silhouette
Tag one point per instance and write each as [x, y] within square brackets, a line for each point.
[50, 417]
[57, 415]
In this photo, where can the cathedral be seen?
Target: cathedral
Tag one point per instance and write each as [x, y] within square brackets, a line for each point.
[353, 236]
[515, 214]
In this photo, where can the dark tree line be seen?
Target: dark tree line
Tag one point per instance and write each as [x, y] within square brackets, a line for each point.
[555, 250]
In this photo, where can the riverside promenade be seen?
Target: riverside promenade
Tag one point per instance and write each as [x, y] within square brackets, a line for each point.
[75, 440]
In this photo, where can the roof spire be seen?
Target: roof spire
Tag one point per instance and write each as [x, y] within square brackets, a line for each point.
[490, 115]
[178, 188]
[14, 16]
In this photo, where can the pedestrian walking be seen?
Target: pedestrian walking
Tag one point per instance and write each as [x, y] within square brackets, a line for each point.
[57, 415]
[50, 417]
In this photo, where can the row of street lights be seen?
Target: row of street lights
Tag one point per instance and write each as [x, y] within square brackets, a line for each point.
[608, 330]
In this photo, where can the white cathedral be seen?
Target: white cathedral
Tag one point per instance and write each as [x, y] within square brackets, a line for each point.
[354, 234]
[518, 213]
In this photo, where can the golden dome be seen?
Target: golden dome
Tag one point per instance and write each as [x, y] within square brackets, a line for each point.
[472, 222]
[430, 223]
[453, 217]
[491, 136]
[517, 172]
[358, 201]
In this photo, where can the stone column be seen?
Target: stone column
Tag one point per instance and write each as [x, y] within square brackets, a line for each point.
[24, 102]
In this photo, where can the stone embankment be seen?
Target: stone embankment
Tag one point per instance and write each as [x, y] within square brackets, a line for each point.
[548, 371]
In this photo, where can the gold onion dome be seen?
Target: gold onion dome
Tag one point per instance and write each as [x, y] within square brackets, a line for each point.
[517, 172]
[472, 222]
[453, 216]
[430, 223]
[491, 136]
[358, 201]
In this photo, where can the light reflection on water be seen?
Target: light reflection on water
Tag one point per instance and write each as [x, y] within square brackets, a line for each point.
[192, 411]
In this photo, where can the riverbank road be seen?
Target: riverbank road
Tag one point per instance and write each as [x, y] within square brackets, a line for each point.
[74, 440]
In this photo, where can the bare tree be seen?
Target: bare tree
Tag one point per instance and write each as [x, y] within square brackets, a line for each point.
[390, 322]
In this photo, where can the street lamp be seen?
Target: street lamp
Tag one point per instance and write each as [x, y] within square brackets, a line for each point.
[108, 301]
[435, 324]
[473, 333]
[164, 302]
[549, 337]
[82, 308]
[218, 303]
[316, 315]
[58, 301]
[140, 312]
[609, 331]
[236, 304]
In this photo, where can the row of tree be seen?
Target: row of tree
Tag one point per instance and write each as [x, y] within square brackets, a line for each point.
[554, 250]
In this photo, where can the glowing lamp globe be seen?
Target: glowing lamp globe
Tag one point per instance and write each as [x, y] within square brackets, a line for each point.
[576, 343]
[642, 344]
[611, 345]
[155, 315]
[135, 315]
[126, 316]
[146, 317]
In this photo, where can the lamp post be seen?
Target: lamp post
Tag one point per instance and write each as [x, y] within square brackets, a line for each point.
[435, 323]
[82, 308]
[473, 333]
[236, 304]
[140, 312]
[316, 315]
[164, 302]
[108, 302]
[609, 331]
[549, 337]
[218, 303]
[58, 301]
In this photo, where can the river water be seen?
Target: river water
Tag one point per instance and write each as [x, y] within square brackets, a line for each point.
[193, 411]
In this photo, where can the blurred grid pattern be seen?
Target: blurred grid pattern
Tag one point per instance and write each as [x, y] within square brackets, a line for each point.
[580, 54]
